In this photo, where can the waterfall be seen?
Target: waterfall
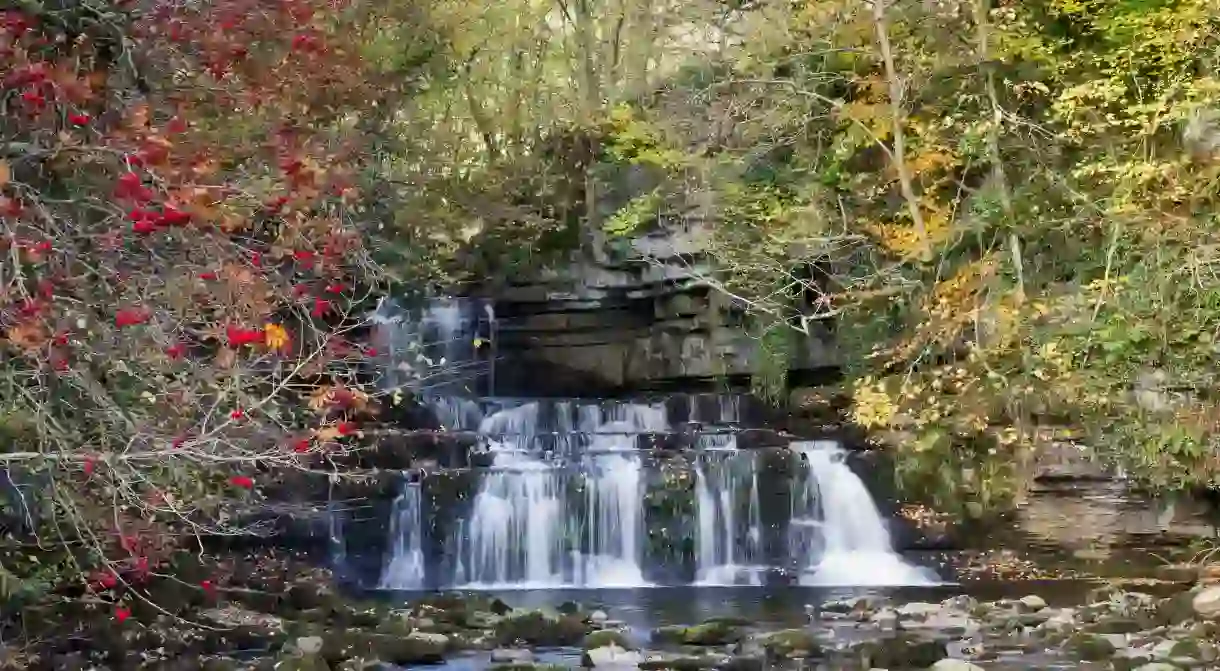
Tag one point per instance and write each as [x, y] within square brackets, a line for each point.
[728, 544]
[526, 530]
[836, 524]
[405, 569]
[567, 493]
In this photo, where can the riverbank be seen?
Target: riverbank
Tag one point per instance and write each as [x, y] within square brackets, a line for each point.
[292, 618]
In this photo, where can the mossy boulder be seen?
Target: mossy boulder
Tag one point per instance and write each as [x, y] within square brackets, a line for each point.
[414, 648]
[536, 627]
[900, 652]
[792, 643]
[1089, 647]
[712, 632]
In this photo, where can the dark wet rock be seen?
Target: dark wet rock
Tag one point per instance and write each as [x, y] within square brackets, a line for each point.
[598, 639]
[1117, 625]
[659, 662]
[536, 627]
[899, 652]
[792, 643]
[1089, 647]
[744, 662]
[1178, 573]
[414, 648]
[713, 632]
[565, 608]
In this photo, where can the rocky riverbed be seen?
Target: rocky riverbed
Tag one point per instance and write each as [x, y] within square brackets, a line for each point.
[308, 626]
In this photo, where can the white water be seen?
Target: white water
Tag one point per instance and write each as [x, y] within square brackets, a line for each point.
[524, 529]
[728, 544]
[405, 570]
[837, 525]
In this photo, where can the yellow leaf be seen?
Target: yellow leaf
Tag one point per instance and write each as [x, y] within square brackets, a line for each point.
[275, 336]
[6, 173]
[328, 434]
[478, 342]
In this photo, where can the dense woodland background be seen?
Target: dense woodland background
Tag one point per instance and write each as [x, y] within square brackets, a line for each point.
[1016, 202]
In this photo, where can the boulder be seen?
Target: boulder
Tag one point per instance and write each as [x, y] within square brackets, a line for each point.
[1032, 603]
[1089, 647]
[712, 632]
[1206, 604]
[792, 644]
[415, 648]
[900, 652]
[536, 627]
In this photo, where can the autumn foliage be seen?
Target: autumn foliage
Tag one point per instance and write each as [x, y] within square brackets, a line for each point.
[183, 262]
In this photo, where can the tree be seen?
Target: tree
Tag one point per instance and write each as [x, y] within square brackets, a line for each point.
[185, 268]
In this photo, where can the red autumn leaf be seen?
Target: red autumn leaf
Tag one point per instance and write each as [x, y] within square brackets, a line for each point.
[237, 414]
[79, 119]
[122, 614]
[89, 465]
[320, 307]
[346, 428]
[207, 586]
[130, 317]
[107, 580]
[245, 482]
[176, 350]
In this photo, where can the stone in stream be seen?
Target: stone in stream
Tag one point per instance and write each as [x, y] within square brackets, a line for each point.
[792, 644]
[1089, 647]
[1206, 604]
[1032, 603]
[900, 652]
[536, 627]
[712, 632]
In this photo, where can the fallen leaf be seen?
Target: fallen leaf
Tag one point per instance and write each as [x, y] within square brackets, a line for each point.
[6, 173]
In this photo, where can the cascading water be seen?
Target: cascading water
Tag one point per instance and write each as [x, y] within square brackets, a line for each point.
[835, 524]
[728, 544]
[405, 569]
[567, 492]
[537, 521]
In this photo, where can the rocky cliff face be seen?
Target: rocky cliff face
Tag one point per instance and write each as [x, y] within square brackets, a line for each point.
[653, 323]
